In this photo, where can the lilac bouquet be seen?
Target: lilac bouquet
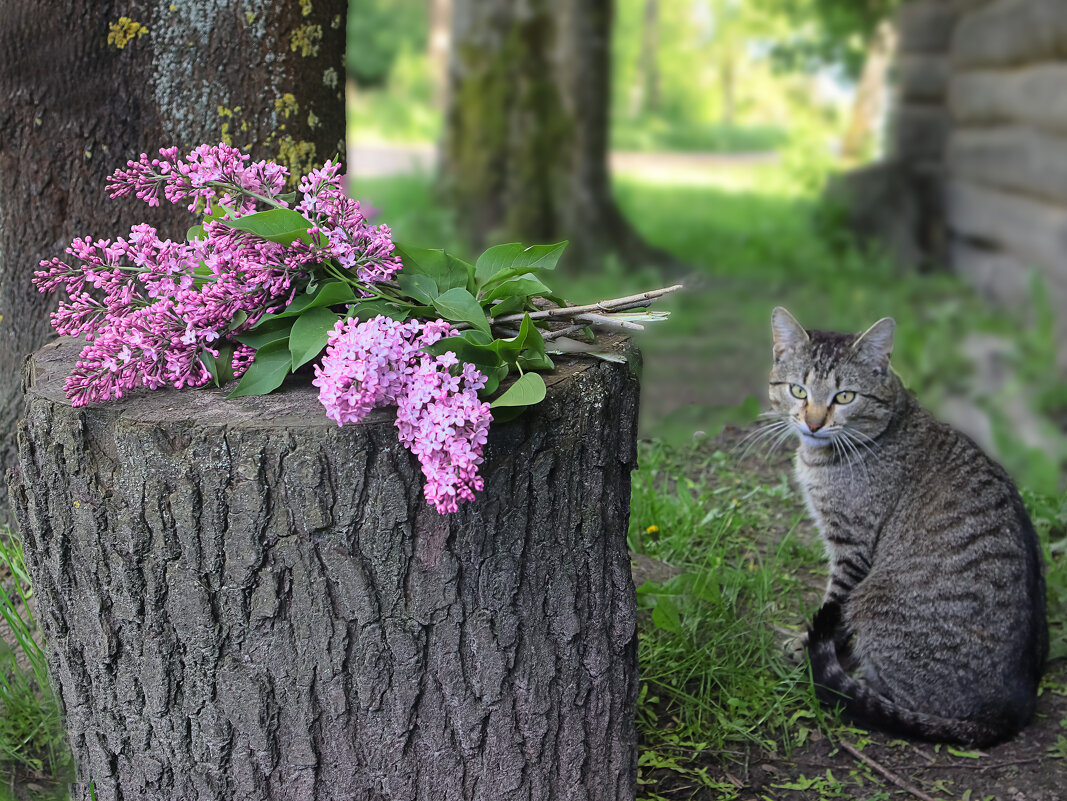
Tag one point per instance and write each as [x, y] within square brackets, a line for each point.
[269, 281]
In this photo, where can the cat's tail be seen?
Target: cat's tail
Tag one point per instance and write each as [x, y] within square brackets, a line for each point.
[869, 709]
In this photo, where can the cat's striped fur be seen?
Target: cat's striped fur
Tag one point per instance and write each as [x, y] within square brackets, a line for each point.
[933, 622]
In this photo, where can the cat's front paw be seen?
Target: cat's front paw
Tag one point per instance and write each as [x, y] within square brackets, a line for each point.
[793, 644]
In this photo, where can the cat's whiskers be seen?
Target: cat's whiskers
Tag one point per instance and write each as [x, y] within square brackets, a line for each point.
[754, 438]
[851, 445]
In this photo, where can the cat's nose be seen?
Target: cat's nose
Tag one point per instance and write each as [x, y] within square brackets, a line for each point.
[815, 417]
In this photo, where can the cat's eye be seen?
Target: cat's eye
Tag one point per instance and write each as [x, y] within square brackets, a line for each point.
[798, 391]
[845, 396]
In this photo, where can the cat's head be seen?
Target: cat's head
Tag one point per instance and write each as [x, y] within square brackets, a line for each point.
[832, 389]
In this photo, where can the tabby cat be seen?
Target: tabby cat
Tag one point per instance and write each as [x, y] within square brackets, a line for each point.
[933, 623]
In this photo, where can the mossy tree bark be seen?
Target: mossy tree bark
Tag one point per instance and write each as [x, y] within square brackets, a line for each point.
[262, 75]
[525, 152]
[245, 601]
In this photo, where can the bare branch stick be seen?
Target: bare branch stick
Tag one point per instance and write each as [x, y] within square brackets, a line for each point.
[607, 322]
[616, 304]
[570, 329]
[899, 782]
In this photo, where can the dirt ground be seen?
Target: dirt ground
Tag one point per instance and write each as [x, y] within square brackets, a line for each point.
[860, 765]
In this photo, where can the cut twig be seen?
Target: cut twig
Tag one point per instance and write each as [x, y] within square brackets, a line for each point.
[616, 304]
[607, 322]
[562, 332]
[899, 782]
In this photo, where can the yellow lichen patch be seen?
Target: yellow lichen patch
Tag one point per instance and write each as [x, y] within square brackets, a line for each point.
[172, 8]
[336, 22]
[306, 39]
[329, 77]
[250, 16]
[286, 105]
[123, 31]
[305, 7]
[313, 120]
[225, 135]
[298, 157]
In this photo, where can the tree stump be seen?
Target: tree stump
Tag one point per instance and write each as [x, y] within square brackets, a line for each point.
[243, 600]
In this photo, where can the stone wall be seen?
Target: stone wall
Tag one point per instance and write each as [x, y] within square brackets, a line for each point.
[979, 131]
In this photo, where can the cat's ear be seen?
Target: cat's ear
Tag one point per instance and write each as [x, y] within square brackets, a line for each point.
[787, 332]
[875, 345]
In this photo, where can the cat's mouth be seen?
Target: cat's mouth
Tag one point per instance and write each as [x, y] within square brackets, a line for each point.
[817, 440]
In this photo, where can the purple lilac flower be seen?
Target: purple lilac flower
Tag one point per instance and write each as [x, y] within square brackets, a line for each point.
[151, 307]
[439, 417]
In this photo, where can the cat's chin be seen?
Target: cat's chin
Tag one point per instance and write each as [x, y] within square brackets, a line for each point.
[813, 441]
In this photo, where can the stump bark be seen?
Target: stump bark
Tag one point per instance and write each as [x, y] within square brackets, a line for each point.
[244, 601]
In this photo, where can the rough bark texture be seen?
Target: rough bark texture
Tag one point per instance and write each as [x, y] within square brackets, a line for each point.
[245, 601]
[76, 108]
[526, 140]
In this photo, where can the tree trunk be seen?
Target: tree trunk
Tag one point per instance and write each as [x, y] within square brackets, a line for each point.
[526, 132]
[870, 92]
[728, 86]
[245, 601]
[438, 48]
[76, 108]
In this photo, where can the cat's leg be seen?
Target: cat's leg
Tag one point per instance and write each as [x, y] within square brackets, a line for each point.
[849, 565]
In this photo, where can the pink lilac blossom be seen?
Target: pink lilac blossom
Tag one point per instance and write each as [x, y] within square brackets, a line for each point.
[151, 308]
[440, 419]
[224, 177]
[153, 322]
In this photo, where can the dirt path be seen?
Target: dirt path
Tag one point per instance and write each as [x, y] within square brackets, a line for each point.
[378, 160]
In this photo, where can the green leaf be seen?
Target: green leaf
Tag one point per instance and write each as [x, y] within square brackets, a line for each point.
[283, 226]
[666, 616]
[528, 343]
[510, 305]
[266, 331]
[502, 262]
[239, 319]
[370, 309]
[420, 287]
[310, 334]
[524, 286]
[211, 365]
[196, 232]
[272, 364]
[536, 361]
[459, 305]
[527, 391]
[447, 271]
[330, 293]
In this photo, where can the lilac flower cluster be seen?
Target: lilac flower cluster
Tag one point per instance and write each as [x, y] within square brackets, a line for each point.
[151, 309]
[148, 315]
[440, 419]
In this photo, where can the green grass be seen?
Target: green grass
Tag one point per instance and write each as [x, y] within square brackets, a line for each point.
[713, 670]
[32, 740]
[658, 134]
